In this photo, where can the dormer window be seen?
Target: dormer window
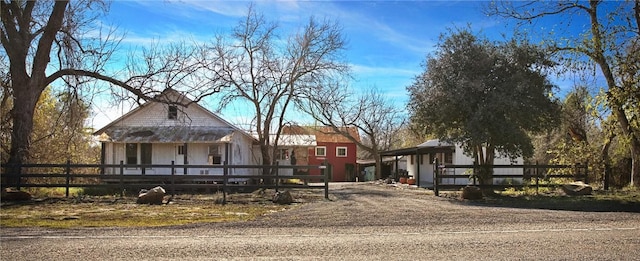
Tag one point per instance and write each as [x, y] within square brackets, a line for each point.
[173, 112]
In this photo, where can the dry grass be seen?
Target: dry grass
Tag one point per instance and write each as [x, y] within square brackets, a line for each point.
[110, 211]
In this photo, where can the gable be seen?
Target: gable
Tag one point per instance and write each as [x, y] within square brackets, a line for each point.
[156, 117]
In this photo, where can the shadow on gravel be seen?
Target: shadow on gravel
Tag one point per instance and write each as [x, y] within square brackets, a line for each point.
[346, 194]
[566, 203]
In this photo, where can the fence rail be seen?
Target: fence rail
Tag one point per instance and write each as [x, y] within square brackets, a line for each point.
[534, 173]
[69, 175]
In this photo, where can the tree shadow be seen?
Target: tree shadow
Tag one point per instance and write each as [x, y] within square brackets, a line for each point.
[590, 203]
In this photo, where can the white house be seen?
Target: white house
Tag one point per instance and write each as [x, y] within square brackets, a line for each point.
[162, 133]
[421, 163]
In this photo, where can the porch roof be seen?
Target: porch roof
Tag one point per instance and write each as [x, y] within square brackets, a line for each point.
[165, 134]
[431, 146]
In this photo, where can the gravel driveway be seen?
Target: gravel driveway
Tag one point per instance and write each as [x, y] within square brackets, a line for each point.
[362, 221]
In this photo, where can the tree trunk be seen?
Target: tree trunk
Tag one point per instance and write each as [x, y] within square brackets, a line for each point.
[379, 167]
[24, 105]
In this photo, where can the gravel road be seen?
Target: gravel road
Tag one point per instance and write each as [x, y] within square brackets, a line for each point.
[362, 221]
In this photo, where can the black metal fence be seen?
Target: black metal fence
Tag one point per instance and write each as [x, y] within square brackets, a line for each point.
[93, 175]
[529, 175]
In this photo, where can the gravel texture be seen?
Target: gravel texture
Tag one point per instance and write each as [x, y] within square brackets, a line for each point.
[361, 221]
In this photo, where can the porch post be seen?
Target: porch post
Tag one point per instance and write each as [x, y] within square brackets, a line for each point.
[397, 171]
[418, 162]
[103, 154]
[185, 158]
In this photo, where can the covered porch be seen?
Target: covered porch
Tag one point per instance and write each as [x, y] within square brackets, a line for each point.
[420, 160]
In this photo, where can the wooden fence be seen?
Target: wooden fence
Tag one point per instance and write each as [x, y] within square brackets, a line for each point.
[532, 175]
[92, 175]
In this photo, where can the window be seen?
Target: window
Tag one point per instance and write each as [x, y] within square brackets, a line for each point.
[341, 151]
[283, 154]
[173, 112]
[145, 153]
[448, 158]
[214, 155]
[181, 150]
[131, 152]
[321, 151]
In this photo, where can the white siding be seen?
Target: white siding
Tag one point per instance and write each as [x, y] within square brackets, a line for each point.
[156, 114]
[459, 158]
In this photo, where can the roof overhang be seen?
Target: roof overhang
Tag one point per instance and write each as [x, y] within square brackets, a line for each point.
[166, 134]
[431, 146]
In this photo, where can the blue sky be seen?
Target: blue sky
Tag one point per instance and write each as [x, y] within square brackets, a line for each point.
[387, 40]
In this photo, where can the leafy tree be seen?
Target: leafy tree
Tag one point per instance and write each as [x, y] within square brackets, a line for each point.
[610, 40]
[486, 96]
[270, 76]
[59, 133]
[47, 41]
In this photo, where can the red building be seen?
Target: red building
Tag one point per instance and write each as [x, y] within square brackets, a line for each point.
[336, 149]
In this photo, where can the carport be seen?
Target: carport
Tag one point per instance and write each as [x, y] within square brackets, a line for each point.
[418, 152]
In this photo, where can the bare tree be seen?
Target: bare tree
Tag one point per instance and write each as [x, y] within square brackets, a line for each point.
[270, 76]
[610, 41]
[54, 41]
[376, 118]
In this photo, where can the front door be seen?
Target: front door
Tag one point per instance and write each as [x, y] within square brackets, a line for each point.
[180, 155]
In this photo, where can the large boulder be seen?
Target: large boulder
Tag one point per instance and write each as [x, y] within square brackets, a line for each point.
[283, 198]
[578, 188]
[15, 195]
[153, 196]
[471, 193]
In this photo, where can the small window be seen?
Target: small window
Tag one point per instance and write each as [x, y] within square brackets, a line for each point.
[173, 112]
[181, 150]
[321, 151]
[341, 151]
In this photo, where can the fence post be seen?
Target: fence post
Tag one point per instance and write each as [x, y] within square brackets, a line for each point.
[18, 175]
[225, 181]
[173, 178]
[121, 178]
[68, 177]
[276, 174]
[436, 171]
[327, 174]
[536, 172]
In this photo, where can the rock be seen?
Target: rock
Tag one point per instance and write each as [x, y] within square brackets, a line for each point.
[15, 195]
[153, 196]
[577, 189]
[471, 193]
[283, 198]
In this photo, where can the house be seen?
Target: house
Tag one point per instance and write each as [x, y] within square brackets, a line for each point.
[162, 133]
[421, 163]
[331, 147]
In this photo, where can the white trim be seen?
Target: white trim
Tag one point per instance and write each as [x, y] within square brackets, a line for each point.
[321, 147]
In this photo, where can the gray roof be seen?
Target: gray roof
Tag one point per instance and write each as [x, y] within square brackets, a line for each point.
[165, 134]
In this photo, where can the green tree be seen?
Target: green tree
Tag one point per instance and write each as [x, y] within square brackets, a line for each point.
[609, 39]
[486, 96]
